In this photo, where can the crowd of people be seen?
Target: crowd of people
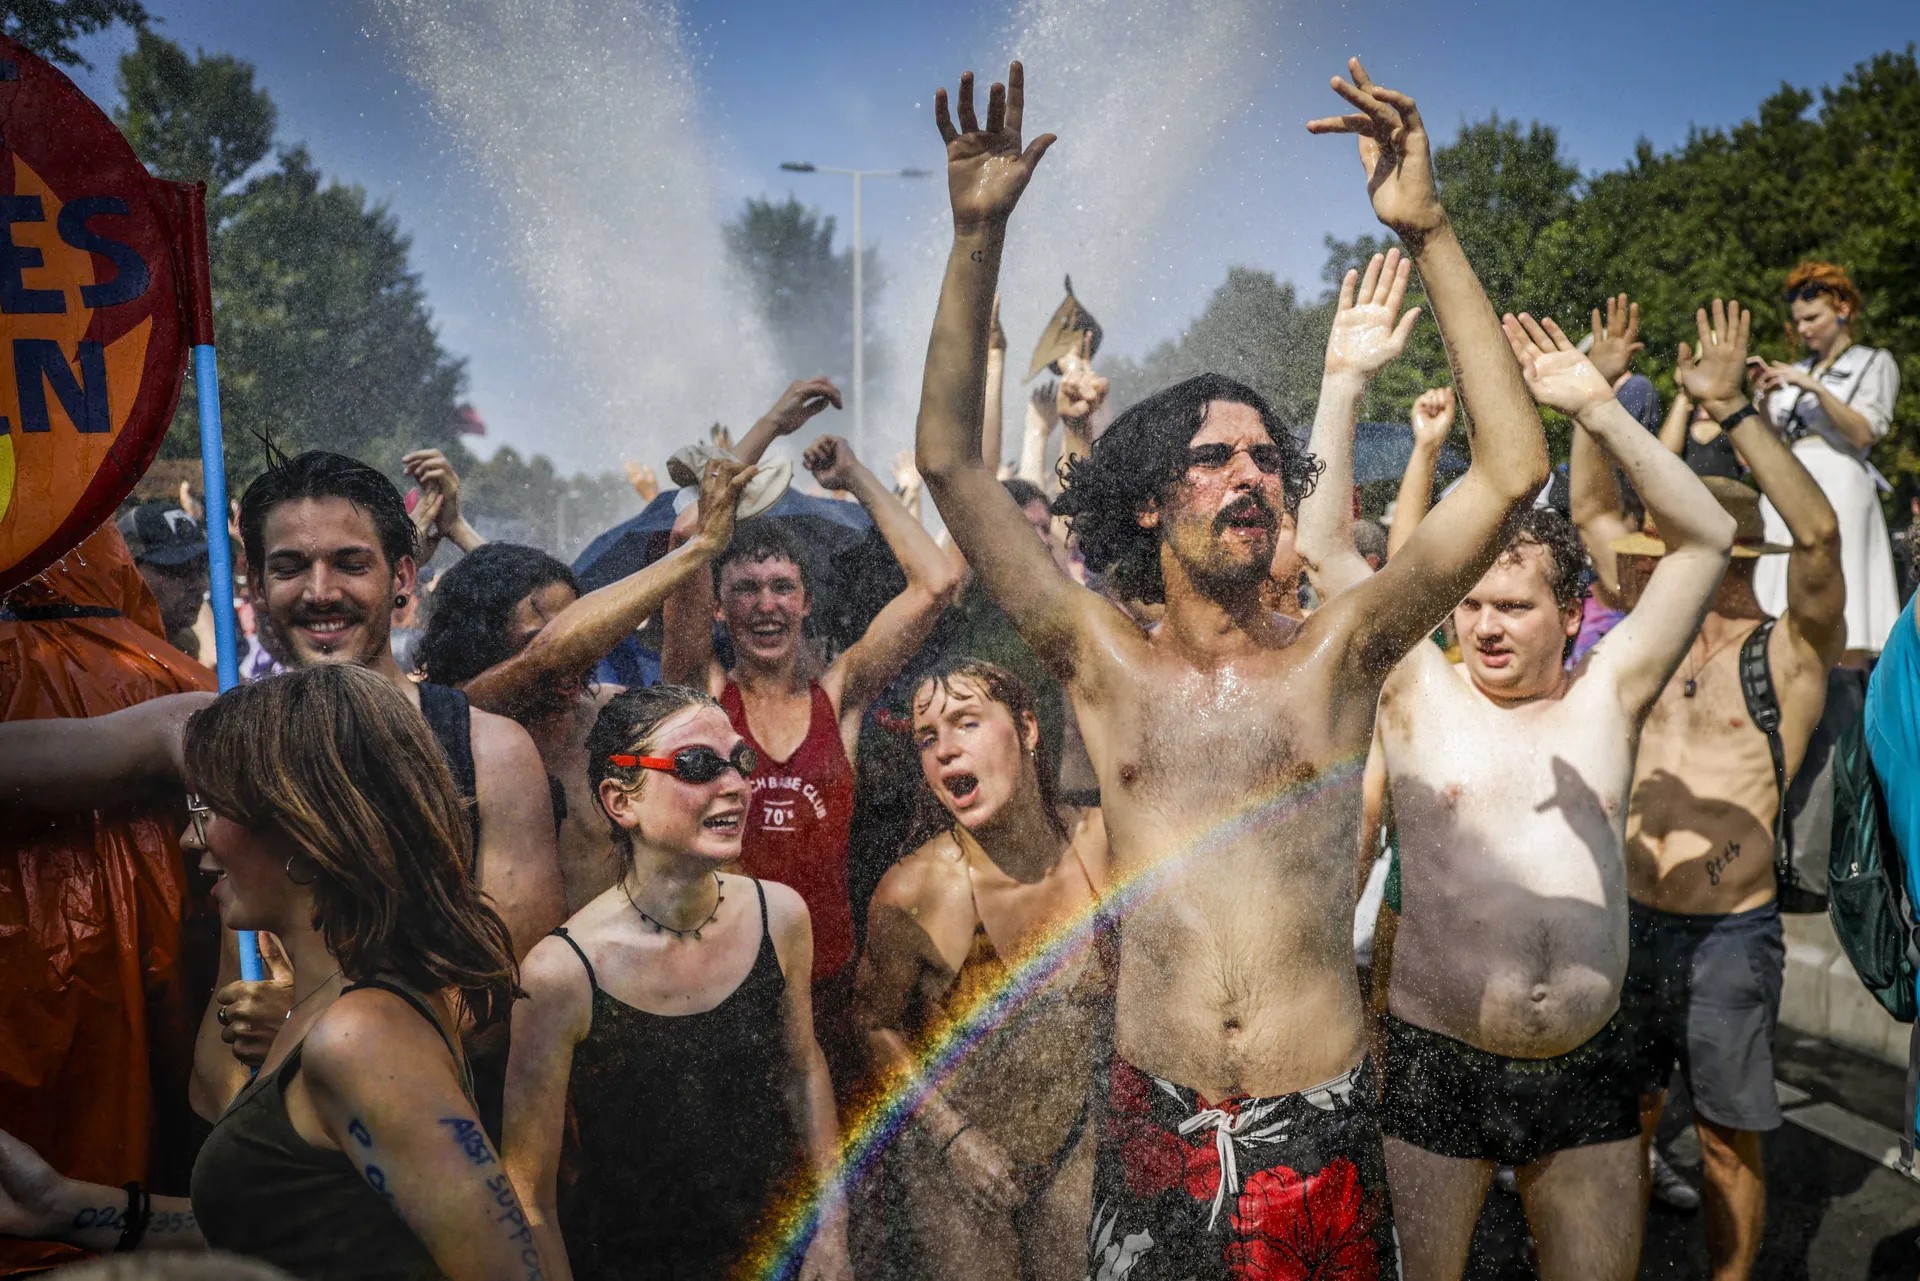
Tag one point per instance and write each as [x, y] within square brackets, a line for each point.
[567, 978]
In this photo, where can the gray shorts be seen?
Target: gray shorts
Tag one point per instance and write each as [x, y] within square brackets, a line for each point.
[1703, 993]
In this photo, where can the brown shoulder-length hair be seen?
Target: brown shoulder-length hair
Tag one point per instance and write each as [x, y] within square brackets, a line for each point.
[1823, 280]
[997, 685]
[337, 764]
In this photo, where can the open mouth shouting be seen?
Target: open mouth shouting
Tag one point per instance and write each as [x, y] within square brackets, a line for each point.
[1246, 516]
[962, 787]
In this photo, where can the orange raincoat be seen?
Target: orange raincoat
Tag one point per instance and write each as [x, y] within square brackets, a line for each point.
[96, 1019]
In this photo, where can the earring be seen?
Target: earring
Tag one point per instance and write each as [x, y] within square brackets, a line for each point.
[400, 601]
[289, 871]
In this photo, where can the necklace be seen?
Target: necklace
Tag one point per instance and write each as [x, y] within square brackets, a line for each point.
[309, 996]
[1692, 686]
[662, 927]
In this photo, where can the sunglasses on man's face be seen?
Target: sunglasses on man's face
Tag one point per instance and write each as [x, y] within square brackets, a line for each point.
[1267, 458]
[694, 764]
[199, 816]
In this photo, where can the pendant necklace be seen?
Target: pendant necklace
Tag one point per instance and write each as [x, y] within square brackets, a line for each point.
[309, 996]
[1692, 686]
[662, 927]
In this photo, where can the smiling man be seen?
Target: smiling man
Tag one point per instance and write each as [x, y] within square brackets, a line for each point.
[1223, 740]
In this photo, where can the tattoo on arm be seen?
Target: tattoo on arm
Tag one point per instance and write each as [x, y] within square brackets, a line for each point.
[113, 1218]
[100, 1216]
[377, 1180]
[471, 1138]
[358, 1130]
[519, 1231]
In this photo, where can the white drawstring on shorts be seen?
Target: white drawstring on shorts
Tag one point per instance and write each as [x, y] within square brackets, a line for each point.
[1227, 1128]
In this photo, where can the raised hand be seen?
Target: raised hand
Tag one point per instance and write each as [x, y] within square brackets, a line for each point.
[1615, 338]
[1433, 417]
[799, 403]
[1045, 400]
[188, 503]
[1712, 372]
[1081, 390]
[1368, 331]
[832, 463]
[720, 486]
[644, 482]
[435, 475]
[1558, 374]
[1395, 152]
[252, 1014]
[986, 168]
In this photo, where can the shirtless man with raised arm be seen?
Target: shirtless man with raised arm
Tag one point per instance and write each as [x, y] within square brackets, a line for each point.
[1708, 958]
[1234, 1109]
[1509, 777]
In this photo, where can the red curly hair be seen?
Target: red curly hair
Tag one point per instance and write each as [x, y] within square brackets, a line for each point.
[1822, 280]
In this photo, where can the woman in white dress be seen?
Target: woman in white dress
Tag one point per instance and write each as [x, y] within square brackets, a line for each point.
[1832, 405]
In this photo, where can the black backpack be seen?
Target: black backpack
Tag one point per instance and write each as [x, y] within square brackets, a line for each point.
[1794, 892]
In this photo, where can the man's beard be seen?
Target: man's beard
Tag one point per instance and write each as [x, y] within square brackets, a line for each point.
[278, 642]
[1221, 577]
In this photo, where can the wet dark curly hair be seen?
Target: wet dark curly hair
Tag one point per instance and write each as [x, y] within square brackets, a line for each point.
[1547, 529]
[473, 605]
[1138, 459]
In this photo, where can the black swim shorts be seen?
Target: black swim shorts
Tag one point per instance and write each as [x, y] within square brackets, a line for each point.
[1457, 1100]
[1703, 994]
[1242, 1189]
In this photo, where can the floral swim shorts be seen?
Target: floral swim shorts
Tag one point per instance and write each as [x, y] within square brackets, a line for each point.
[1279, 1189]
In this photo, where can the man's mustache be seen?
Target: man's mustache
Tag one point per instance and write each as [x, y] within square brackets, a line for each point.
[1240, 508]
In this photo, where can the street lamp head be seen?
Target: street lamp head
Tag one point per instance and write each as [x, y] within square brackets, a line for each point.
[792, 166]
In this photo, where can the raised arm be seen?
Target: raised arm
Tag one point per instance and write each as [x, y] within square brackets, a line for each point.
[1815, 621]
[1401, 604]
[987, 169]
[996, 381]
[1679, 419]
[869, 664]
[1595, 504]
[1643, 651]
[1042, 417]
[1368, 333]
[587, 630]
[440, 484]
[1432, 420]
[794, 409]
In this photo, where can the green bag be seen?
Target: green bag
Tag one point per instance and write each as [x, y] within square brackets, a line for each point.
[1866, 882]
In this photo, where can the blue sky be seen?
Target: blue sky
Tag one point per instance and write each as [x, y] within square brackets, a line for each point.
[850, 84]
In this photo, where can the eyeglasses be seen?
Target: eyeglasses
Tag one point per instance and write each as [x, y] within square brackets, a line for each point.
[1268, 458]
[694, 764]
[198, 815]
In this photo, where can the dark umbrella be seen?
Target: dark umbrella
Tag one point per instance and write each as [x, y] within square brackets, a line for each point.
[825, 527]
[1381, 450]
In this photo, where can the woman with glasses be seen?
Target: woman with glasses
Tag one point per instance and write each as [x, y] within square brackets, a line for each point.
[1833, 404]
[327, 816]
[666, 1043]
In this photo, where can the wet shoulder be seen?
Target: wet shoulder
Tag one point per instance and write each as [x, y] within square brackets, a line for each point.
[929, 877]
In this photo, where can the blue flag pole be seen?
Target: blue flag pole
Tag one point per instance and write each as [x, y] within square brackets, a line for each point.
[213, 471]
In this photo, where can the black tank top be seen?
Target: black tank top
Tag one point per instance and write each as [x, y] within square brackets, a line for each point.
[450, 718]
[681, 1139]
[260, 1189]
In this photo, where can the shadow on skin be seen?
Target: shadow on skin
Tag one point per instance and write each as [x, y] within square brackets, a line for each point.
[1663, 797]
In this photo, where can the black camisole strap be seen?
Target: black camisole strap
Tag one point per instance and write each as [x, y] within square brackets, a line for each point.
[421, 1008]
[592, 980]
[766, 932]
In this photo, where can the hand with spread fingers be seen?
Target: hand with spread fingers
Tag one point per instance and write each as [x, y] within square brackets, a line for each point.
[1369, 333]
[645, 483]
[720, 486]
[1559, 374]
[799, 403]
[1712, 372]
[1433, 417]
[987, 168]
[1616, 338]
[1394, 150]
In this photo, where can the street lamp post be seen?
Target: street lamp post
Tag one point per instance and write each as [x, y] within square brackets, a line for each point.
[859, 254]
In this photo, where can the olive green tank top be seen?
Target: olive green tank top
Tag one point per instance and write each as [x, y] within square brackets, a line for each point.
[259, 1189]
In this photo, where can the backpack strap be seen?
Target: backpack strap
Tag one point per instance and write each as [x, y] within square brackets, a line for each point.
[1763, 706]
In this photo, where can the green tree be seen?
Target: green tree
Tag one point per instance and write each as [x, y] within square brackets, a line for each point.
[324, 332]
[49, 27]
[784, 252]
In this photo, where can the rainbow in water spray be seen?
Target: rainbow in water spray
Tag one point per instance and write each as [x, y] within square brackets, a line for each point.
[875, 1126]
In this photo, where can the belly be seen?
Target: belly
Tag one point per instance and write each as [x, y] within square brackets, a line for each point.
[1516, 974]
[1235, 987]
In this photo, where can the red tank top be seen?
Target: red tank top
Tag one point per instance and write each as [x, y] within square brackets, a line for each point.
[799, 822]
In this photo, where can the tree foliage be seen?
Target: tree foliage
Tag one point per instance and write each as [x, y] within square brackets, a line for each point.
[1833, 175]
[50, 27]
[784, 252]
